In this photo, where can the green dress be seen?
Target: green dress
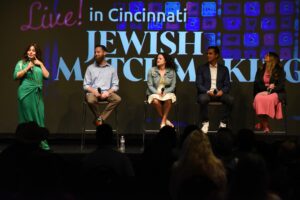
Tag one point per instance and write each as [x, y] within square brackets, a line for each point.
[30, 97]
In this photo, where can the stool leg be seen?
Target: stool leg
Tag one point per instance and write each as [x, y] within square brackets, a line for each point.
[195, 114]
[177, 117]
[117, 127]
[285, 120]
[254, 121]
[83, 125]
[144, 124]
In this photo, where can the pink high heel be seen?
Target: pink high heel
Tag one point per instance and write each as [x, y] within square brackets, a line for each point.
[267, 130]
[258, 126]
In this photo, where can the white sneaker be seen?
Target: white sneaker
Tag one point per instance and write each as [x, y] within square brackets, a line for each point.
[222, 125]
[169, 123]
[162, 125]
[205, 126]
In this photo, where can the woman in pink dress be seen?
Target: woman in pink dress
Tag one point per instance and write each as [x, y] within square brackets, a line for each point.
[269, 91]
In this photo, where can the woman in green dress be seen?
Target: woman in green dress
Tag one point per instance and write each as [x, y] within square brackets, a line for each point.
[31, 71]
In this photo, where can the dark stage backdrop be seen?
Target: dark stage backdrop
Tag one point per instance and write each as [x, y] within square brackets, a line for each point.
[134, 32]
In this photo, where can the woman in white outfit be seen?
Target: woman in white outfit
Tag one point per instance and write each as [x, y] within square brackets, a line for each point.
[161, 86]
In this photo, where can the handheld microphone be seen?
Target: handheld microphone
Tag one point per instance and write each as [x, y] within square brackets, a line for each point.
[215, 91]
[269, 90]
[162, 90]
[99, 90]
[32, 61]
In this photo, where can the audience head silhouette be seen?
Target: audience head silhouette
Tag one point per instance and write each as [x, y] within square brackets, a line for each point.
[104, 135]
[31, 133]
[186, 132]
[246, 140]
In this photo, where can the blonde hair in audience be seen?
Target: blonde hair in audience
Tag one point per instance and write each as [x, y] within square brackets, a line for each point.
[197, 158]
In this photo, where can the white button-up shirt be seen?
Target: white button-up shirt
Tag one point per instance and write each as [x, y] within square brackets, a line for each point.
[213, 75]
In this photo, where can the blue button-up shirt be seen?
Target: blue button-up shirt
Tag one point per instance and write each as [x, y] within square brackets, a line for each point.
[101, 76]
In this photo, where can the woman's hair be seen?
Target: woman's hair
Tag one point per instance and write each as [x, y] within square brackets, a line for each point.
[169, 61]
[197, 158]
[38, 51]
[274, 61]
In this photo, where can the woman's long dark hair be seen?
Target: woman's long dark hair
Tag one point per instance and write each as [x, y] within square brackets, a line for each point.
[169, 61]
[38, 51]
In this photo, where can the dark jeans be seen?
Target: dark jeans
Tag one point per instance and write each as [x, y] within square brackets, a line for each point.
[204, 99]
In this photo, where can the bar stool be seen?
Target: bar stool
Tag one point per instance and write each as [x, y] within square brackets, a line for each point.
[285, 122]
[210, 104]
[84, 116]
[154, 131]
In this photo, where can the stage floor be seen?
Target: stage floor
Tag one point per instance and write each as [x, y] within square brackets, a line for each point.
[71, 143]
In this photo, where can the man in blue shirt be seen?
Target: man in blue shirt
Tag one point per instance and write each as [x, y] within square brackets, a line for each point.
[100, 83]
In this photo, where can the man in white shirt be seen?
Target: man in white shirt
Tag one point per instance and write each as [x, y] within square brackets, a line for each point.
[213, 84]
